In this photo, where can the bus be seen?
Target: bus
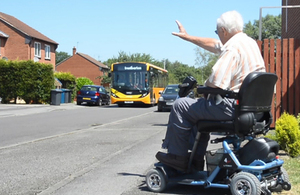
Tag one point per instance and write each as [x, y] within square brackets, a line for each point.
[137, 83]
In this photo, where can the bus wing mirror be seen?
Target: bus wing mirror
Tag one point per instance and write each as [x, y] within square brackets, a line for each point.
[109, 74]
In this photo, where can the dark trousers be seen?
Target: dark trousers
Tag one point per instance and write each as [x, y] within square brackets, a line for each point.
[184, 115]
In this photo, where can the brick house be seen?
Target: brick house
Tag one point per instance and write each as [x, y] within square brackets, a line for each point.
[82, 65]
[290, 20]
[18, 41]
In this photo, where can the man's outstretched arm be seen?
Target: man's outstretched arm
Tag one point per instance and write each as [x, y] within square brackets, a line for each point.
[210, 44]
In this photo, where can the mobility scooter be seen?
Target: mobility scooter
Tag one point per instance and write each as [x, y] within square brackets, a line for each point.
[247, 163]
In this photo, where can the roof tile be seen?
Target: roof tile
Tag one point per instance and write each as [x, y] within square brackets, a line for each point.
[24, 28]
[93, 60]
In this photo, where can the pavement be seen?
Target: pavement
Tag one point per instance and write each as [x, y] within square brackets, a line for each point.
[8, 110]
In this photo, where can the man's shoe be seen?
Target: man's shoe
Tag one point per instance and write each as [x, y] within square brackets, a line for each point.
[177, 162]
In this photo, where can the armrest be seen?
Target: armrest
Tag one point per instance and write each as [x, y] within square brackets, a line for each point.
[215, 91]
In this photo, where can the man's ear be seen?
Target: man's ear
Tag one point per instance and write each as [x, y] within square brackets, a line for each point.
[224, 31]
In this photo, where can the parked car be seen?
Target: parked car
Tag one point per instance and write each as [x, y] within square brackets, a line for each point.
[93, 94]
[168, 96]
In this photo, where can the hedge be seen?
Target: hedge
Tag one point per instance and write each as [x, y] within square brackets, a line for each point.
[28, 80]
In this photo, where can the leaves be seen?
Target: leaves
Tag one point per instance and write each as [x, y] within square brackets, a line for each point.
[288, 134]
[80, 81]
[271, 28]
[61, 56]
[137, 57]
[31, 81]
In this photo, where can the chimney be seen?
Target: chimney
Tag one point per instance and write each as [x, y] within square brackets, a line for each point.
[74, 51]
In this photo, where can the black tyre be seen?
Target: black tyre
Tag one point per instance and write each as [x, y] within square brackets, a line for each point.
[156, 180]
[285, 178]
[78, 103]
[108, 102]
[99, 102]
[245, 183]
[159, 109]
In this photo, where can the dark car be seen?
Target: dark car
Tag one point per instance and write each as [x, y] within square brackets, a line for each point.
[168, 97]
[93, 94]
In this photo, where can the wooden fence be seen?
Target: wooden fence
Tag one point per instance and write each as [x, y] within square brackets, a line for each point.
[283, 58]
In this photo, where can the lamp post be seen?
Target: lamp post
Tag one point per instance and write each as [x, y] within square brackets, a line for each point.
[260, 15]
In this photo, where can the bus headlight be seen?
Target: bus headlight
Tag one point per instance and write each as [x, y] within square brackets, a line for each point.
[114, 95]
[144, 94]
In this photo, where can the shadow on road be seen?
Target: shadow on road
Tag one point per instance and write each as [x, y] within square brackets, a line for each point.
[160, 125]
[188, 190]
[173, 188]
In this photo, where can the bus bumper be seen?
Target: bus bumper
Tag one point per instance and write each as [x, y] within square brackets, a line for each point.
[130, 101]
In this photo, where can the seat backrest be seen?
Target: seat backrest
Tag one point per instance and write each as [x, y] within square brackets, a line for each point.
[257, 91]
[255, 98]
[252, 113]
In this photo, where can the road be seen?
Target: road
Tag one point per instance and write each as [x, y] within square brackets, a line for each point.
[78, 150]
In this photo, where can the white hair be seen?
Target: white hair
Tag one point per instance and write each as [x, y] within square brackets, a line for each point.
[232, 21]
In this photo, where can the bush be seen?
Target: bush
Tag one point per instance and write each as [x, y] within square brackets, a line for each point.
[68, 81]
[288, 134]
[271, 135]
[83, 81]
[36, 82]
[298, 119]
[29, 80]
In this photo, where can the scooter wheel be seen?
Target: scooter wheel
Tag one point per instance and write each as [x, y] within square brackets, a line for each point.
[285, 179]
[245, 183]
[156, 180]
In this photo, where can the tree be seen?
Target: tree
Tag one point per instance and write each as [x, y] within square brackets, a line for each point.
[123, 57]
[61, 56]
[80, 81]
[271, 28]
[206, 61]
[104, 79]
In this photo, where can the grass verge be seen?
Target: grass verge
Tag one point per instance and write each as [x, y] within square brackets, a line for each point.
[292, 167]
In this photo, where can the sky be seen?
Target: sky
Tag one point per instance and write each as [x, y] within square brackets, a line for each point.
[104, 28]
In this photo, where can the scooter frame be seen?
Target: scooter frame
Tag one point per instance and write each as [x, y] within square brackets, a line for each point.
[256, 178]
[261, 174]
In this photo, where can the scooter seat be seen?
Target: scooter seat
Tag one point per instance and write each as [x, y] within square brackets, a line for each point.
[251, 109]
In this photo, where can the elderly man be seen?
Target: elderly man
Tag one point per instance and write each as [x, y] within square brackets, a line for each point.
[238, 56]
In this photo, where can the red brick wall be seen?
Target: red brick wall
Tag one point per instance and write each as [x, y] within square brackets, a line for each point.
[80, 67]
[15, 47]
[2, 40]
[290, 20]
[42, 59]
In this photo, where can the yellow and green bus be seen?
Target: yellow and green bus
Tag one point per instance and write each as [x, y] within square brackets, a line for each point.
[137, 83]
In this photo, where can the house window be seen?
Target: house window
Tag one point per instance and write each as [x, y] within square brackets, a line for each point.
[37, 49]
[47, 52]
